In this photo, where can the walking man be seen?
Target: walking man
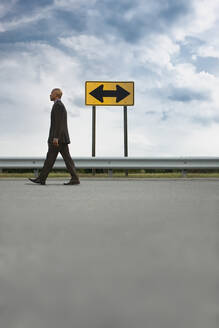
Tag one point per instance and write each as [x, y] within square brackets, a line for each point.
[58, 141]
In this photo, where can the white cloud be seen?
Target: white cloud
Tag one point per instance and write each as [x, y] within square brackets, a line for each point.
[201, 19]
[26, 19]
[157, 50]
[203, 142]
[89, 46]
[209, 51]
[72, 3]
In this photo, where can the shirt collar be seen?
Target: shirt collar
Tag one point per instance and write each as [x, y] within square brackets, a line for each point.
[57, 100]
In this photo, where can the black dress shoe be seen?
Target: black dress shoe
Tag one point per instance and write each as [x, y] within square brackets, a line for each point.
[72, 182]
[37, 180]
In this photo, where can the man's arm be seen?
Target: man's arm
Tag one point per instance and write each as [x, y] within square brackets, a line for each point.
[58, 122]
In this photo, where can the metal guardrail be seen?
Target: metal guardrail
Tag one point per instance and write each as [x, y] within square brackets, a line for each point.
[116, 162]
[183, 163]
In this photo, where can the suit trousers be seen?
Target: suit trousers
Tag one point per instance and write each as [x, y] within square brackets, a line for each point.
[51, 158]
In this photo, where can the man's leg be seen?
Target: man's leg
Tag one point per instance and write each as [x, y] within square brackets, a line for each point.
[49, 161]
[64, 150]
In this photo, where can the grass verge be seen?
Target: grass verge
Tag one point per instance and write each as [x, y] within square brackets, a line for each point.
[115, 175]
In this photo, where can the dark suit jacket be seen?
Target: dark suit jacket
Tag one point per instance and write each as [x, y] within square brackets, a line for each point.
[58, 126]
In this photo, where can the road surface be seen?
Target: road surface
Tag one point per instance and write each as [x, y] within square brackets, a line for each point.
[109, 253]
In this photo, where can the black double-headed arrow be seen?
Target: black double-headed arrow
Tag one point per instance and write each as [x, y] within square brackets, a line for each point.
[119, 93]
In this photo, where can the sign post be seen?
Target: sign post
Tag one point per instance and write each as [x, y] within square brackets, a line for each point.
[125, 135]
[93, 134]
[109, 94]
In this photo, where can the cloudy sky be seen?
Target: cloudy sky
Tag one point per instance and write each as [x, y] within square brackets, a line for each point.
[170, 49]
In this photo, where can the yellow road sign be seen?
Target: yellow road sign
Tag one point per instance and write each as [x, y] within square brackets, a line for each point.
[109, 93]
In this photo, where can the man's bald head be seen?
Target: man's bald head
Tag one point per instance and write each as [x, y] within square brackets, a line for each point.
[56, 94]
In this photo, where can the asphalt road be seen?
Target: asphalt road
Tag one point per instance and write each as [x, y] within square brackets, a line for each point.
[109, 254]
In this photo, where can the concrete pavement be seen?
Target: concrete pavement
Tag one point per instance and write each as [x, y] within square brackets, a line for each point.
[109, 253]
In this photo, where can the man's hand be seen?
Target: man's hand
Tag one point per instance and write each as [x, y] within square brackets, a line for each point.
[55, 142]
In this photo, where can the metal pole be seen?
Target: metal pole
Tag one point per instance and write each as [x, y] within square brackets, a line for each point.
[93, 135]
[184, 173]
[125, 136]
[36, 172]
